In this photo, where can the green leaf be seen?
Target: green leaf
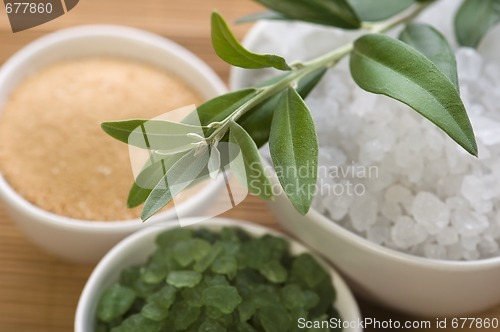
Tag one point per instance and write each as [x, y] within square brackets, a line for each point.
[257, 123]
[223, 298]
[230, 50]
[378, 10]
[384, 65]
[148, 179]
[266, 15]
[434, 46]
[251, 173]
[219, 108]
[137, 196]
[214, 162]
[115, 302]
[180, 176]
[337, 13]
[153, 172]
[181, 279]
[474, 19]
[294, 149]
[121, 130]
[153, 134]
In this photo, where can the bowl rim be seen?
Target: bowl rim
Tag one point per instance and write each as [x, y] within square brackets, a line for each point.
[235, 82]
[101, 271]
[16, 61]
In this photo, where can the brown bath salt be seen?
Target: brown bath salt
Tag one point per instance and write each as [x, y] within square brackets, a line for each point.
[52, 149]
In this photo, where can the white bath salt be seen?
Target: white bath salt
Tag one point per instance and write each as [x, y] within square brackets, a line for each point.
[447, 236]
[430, 212]
[379, 234]
[363, 212]
[406, 233]
[435, 251]
[428, 197]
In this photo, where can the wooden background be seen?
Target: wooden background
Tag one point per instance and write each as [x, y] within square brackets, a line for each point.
[39, 292]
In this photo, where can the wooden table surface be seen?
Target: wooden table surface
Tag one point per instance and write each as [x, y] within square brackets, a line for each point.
[39, 292]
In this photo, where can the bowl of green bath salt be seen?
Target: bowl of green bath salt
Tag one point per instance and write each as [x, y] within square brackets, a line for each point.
[221, 275]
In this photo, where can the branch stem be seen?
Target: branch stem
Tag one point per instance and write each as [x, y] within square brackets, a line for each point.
[327, 60]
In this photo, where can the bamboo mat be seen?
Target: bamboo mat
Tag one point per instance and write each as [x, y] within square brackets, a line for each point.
[39, 292]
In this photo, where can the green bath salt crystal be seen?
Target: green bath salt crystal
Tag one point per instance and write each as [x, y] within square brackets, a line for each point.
[227, 281]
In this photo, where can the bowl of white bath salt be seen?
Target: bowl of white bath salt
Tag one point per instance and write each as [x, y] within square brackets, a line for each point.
[409, 217]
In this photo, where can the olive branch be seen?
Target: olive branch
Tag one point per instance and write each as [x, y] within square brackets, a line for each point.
[418, 69]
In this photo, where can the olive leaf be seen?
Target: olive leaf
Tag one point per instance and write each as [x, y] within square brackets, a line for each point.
[230, 50]
[220, 107]
[152, 173]
[137, 195]
[254, 176]
[294, 149]
[180, 176]
[214, 162]
[372, 11]
[153, 134]
[266, 15]
[384, 65]
[258, 122]
[474, 19]
[121, 130]
[336, 13]
[434, 46]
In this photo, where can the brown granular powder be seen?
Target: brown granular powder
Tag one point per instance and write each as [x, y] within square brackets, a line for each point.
[52, 149]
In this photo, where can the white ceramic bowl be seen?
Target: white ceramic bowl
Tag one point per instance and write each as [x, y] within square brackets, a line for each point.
[410, 284]
[136, 248]
[79, 240]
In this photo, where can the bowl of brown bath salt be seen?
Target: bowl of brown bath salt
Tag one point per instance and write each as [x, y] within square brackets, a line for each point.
[62, 179]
